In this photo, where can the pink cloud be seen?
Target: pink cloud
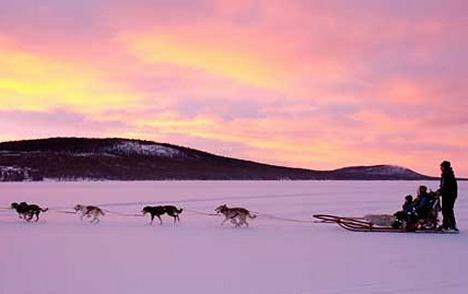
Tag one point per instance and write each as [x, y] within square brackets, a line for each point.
[319, 84]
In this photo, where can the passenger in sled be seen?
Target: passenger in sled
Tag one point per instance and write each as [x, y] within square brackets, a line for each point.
[427, 206]
[406, 218]
[421, 203]
[420, 213]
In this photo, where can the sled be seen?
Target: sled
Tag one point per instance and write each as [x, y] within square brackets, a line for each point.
[358, 224]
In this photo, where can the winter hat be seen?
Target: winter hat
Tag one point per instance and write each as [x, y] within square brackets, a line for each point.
[445, 164]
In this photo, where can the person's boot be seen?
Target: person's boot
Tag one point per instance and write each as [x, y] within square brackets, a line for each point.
[445, 229]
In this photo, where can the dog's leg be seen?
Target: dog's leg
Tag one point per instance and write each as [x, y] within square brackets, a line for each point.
[235, 222]
[239, 221]
[37, 217]
[160, 220]
[82, 216]
[152, 218]
[244, 220]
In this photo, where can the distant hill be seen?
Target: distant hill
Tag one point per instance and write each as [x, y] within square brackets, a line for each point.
[125, 159]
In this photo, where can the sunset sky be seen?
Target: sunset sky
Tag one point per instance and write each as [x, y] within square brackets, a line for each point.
[314, 84]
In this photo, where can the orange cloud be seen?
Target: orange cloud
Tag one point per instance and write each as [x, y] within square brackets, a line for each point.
[205, 53]
[34, 82]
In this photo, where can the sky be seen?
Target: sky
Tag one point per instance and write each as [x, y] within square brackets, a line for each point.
[313, 84]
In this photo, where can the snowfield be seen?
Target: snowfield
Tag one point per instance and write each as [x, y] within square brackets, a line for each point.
[123, 254]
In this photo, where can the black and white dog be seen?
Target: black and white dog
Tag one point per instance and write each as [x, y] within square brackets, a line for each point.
[28, 211]
[157, 211]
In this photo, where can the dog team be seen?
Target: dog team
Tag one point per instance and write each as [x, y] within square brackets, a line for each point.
[235, 215]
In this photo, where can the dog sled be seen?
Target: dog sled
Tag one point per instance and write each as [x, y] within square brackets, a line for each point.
[416, 220]
[361, 224]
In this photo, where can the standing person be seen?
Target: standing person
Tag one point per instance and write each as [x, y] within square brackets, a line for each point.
[448, 190]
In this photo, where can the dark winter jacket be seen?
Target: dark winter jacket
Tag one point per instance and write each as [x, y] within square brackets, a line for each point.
[422, 201]
[408, 207]
[448, 185]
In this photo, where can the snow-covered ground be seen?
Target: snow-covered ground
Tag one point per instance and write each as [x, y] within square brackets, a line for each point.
[125, 255]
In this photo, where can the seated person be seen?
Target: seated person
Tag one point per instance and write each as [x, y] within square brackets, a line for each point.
[408, 206]
[422, 202]
[406, 216]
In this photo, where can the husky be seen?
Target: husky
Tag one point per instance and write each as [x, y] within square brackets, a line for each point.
[237, 215]
[160, 210]
[89, 211]
[28, 211]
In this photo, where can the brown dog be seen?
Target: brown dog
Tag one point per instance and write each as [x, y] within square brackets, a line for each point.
[237, 215]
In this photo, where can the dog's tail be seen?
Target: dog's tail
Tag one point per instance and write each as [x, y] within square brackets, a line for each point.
[252, 216]
[180, 210]
[44, 209]
[101, 212]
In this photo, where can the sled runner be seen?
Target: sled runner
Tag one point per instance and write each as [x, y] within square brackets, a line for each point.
[358, 224]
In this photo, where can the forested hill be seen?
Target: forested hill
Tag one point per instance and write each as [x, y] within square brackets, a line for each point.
[126, 159]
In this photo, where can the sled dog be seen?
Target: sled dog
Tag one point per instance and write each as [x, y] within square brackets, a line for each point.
[89, 211]
[157, 211]
[28, 211]
[237, 215]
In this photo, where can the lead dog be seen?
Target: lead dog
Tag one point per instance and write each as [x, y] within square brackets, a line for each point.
[237, 215]
[160, 210]
[28, 211]
[89, 211]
